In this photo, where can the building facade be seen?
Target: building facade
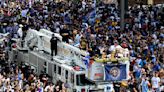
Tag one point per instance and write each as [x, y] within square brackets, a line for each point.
[145, 2]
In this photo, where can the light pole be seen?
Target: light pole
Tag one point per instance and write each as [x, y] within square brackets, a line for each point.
[122, 3]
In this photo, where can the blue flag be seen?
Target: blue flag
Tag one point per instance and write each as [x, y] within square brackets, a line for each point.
[115, 72]
[86, 61]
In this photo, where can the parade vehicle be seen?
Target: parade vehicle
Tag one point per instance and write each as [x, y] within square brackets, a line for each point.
[71, 64]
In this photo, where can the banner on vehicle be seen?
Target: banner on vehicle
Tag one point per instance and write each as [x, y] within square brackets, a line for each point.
[115, 72]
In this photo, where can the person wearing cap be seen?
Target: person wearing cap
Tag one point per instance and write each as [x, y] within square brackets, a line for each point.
[53, 42]
[22, 34]
[115, 46]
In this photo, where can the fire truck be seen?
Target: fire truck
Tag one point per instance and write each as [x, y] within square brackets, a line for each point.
[69, 66]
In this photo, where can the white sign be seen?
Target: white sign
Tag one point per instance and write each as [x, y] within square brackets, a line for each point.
[96, 72]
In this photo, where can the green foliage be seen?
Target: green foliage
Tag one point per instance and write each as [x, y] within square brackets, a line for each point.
[76, 1]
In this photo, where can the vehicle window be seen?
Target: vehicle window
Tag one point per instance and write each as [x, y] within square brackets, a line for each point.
[59, 70]
[45, 63]
[54, 68]
[81, 80]
[45, 67]
[66, 74]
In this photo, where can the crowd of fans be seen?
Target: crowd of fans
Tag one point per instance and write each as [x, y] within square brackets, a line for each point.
[94, 28]
[14, 78]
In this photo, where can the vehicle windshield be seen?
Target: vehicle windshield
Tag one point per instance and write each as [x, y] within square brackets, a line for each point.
[81, 80]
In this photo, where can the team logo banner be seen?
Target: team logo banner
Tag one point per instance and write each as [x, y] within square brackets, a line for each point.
[115, 72]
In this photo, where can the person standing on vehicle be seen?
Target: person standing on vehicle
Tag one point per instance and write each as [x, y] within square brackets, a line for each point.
[65, 34]
[53, 42]
[23, 34]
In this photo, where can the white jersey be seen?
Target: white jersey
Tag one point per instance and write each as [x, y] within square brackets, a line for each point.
[155, 82]
[113, 48]
[20, 32]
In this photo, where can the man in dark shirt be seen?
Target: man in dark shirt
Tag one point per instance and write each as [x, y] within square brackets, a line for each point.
[53, 42]
[24, 29]
[65, 34]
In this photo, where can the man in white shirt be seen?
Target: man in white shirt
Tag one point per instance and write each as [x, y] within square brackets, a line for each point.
[84, 4]
[155, 82]
[20, 32]
[115, 46]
